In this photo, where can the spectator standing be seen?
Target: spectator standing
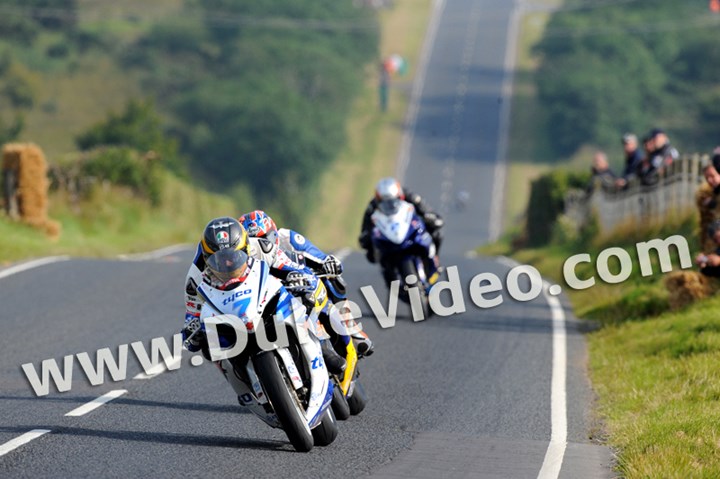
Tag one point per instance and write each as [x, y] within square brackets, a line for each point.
[648, 173]
[601, 173]
[633, 159]
[716, 158]
[664, 153]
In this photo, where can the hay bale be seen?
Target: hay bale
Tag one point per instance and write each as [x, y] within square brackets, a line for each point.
[685, 287]
[28, 162]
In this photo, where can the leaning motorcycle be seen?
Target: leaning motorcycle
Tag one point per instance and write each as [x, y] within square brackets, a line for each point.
[403, 243]
[282, 380]
[349, 397]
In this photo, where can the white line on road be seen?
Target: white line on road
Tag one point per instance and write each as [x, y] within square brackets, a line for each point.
[558, 409]
[31, 264]
[343, 253]
[96, 403]
[157, 254]
[20, 440]
[418, 85]
[558, 394]
[498, 196]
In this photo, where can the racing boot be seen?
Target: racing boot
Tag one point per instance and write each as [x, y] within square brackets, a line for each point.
[334, 363]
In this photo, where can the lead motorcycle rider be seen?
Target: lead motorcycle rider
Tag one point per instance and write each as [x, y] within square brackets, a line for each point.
[227, 232]
[259, 224]
[389, 189]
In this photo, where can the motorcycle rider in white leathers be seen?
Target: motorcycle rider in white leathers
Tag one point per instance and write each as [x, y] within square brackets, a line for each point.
[227, 232]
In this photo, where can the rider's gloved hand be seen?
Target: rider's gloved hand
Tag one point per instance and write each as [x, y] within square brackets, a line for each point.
[193, 337]
[434, 221]
[332, 266]
[300, 281]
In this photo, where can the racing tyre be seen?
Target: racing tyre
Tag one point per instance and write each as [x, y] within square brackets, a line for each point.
[358, 400]
[340, 406]
[326, 432]
[284, 401]
[407, 268]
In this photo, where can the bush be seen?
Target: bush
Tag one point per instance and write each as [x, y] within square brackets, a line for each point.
[125, 166]
[547, 195]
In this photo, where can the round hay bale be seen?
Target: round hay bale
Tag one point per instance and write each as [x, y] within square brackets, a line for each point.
[685, 287]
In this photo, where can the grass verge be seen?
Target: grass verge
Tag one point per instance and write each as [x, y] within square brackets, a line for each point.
[113, 220]
[654, 371]
[373, 136]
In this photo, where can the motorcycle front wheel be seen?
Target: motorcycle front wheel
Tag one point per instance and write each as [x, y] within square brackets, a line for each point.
[326, 432]
[407, 267]
[284, 401]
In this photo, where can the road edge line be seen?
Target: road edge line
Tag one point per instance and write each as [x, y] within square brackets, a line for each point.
[403, 159]
[32, 264]
[555, 453]
[506, 93]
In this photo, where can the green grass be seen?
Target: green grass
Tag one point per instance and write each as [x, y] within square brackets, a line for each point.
[373, 137]
[659, 392]
[113, 220]
[654, 371]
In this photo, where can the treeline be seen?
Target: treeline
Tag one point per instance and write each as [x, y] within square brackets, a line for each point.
[259, 91]
[247, 98]
[608, 69]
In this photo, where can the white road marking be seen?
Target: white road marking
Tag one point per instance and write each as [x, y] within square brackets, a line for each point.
[343, 253]
[418, 85]
[498, 196]
[558, 409]
[156, 370]
[558, 394]
[36, 263]
[20, 440]
[157, 254]
[96, 403]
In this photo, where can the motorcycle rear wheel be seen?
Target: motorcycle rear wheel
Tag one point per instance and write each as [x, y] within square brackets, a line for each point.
[283, 400]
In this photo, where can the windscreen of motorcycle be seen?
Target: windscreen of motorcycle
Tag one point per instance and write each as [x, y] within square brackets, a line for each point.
[395, 224]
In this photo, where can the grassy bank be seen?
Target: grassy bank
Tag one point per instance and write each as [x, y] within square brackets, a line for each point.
[373, 136]
[113, 220]
[654, 371]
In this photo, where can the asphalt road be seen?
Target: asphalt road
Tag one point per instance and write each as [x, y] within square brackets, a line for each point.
[463, 396]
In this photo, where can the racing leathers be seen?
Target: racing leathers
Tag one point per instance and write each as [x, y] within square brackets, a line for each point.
[322, 263]
[281, 266]
[433, 225]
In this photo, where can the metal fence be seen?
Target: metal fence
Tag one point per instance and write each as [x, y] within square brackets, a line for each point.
[673, 195]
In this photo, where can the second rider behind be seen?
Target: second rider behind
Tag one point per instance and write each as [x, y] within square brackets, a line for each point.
[259, 225]
[390, 189]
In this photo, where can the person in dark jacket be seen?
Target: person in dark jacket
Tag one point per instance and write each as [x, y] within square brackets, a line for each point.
[633, 159]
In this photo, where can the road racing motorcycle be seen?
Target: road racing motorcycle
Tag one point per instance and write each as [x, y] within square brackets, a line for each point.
[286, 383]
[349, 397]
[404, 245]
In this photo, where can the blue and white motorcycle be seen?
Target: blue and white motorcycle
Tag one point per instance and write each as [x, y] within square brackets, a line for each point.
[405, 247]
[268, 349]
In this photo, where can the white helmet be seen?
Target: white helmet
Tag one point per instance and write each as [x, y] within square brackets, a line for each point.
[389, 189]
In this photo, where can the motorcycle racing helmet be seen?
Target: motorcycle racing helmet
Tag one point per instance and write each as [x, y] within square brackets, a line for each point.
[223, 233]
[259, 225]
[228, 266]
[389, 193]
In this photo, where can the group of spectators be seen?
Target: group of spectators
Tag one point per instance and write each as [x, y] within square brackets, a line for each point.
[644, 165]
